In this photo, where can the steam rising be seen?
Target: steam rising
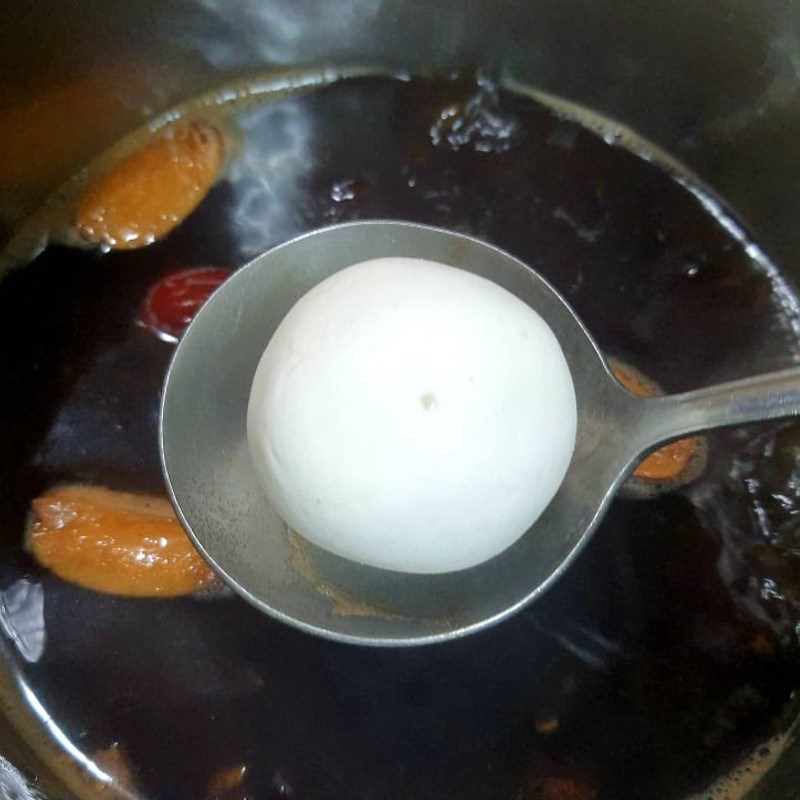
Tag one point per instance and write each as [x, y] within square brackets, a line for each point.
[234, 33]
[265, 175]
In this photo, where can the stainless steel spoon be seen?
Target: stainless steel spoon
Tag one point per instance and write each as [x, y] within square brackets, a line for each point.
[210, 478]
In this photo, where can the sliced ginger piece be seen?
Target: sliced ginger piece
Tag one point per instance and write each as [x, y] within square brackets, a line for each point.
[152, 190]
[115, 542]
[113, 761]
[226, 781]
[669, 461]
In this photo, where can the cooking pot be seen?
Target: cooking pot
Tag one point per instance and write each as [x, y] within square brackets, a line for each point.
[715, 84]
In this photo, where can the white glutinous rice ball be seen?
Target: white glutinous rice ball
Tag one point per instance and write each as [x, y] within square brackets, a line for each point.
[411, 416]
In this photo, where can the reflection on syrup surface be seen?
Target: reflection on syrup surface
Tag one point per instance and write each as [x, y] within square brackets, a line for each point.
[669, 648]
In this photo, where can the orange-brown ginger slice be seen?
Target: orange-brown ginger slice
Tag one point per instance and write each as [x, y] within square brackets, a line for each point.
[115, 542]
[152, 190]
[668, 461]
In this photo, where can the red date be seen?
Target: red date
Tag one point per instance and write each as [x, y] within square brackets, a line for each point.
[172, 303]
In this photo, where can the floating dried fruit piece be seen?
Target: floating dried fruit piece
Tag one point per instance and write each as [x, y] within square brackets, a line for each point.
[566, 789]
[227, 784]
[115, 542]
[113, 761]
[171, 304]
[546, 725]
[152, 190]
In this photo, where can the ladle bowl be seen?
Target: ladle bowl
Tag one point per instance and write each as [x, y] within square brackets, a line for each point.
[214, 489]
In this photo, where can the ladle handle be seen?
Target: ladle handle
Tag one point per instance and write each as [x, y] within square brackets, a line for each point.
[776, 394]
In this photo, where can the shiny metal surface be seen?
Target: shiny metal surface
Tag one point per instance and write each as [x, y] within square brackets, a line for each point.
[213, 487]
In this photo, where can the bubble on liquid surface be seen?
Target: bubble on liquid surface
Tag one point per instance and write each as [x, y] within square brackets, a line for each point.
[742, 778]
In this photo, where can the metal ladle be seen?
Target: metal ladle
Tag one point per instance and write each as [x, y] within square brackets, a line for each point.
[214, 490]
